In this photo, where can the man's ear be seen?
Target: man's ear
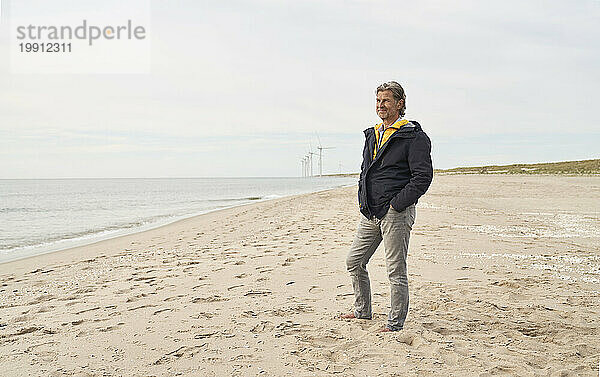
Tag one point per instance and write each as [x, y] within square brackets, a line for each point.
[400, 104]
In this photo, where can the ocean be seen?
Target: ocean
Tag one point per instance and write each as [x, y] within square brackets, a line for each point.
[44, 215]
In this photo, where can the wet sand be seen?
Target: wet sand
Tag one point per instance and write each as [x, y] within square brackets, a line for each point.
[504, 272]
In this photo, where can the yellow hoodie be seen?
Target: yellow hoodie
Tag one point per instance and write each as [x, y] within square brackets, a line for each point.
[379, 141]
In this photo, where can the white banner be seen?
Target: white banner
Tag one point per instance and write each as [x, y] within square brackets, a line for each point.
[66, 37]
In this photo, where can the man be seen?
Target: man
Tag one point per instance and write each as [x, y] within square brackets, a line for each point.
[396, 170]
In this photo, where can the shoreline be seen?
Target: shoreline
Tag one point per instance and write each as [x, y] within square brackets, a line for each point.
[138, 231]
[37, 250]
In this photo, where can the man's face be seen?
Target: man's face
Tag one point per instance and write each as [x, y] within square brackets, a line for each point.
[387, 107]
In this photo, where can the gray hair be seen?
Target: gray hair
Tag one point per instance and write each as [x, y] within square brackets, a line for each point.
[397, 92]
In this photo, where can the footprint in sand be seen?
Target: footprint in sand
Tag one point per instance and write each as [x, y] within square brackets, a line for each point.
[41, 298]
[122, 291]
[111, 328]
[262, 326]
[202, 315]
[178, 353]
[24, 331]
[205, 335]
[162, 310]
[173, 298]
[315, 289]
[290, 327]
[263, 269]
[257, 293]
[323, 340]
[410, 339]
[87, 310]
[213, 298]
[141, 307]
[440, 329]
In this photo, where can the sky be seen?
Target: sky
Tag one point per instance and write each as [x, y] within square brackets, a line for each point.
[247, 88]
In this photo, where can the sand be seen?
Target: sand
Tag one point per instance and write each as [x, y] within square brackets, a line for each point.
[504, 272]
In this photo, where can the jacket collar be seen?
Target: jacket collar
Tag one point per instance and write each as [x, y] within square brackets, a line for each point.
[396, 125]
[410, 127]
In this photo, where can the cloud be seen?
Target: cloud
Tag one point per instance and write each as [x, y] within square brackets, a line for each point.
[239, 78]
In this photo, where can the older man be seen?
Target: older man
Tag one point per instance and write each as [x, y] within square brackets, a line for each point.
[396, 170]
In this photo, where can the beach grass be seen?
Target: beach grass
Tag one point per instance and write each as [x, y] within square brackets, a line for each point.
[582, 167]
[564, 168]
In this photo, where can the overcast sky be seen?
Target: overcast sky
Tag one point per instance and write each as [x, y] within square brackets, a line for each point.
[241, 88]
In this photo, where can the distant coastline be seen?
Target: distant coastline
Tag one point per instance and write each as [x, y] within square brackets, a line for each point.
[582, 167]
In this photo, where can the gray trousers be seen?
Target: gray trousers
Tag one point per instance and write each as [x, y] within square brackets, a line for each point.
[394, 229]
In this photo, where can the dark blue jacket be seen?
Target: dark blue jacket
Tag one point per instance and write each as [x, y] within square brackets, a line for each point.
[399, 175]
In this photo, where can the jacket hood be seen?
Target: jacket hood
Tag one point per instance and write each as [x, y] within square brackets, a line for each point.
[411, 126]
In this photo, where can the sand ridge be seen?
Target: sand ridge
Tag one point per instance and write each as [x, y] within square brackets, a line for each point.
[503, 273]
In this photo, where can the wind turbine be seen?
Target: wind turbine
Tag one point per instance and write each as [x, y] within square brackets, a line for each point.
[310, 158]
[306, 165]
[304, 161]
[321, 148]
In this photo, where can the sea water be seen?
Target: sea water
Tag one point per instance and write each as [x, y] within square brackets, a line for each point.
[43, 215]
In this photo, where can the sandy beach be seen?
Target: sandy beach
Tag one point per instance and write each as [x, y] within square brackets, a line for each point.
[504, 273]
